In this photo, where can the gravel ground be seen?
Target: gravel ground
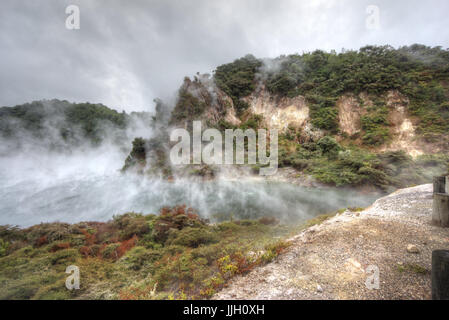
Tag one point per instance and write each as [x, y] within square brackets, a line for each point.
[334, 260]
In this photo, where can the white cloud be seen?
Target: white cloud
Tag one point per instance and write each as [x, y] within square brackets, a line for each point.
[126, 54]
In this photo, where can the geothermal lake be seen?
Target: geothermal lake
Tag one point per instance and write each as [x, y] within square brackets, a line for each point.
[90, 188]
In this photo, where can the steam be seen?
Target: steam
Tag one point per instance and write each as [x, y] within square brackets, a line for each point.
[88, 188]
[40, 182]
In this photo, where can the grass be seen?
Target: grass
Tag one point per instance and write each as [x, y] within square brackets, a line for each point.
[173, 255]
[411, 267]
[319, 220]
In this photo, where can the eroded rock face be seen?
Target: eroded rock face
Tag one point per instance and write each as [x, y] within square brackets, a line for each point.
[349, 114]
[279, 113]
[402, 127]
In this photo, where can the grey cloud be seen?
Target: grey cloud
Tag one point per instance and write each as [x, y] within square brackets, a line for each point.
[129, 52]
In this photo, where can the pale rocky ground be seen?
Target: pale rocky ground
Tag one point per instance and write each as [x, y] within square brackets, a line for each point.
[331, 260]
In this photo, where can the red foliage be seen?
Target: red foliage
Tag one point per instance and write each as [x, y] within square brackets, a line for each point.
[41, 241]
[90, 238]
[242, 263]
[85, 251]
[60, 246]
[126, 245]
[92, 251]
[192, 216]
[178, 210]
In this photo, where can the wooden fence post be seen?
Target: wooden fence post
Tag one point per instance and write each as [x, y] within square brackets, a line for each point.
[440, 275]
[440, 214]
[439, 184]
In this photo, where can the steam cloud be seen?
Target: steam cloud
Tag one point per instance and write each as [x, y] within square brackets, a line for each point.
[85, 184]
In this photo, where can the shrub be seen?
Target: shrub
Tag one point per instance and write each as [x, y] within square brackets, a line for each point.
[188, 106]
[59, 246]
[3, 248]
[269, 221]
[273, 250]
[237, 79]
[131, 224]
[11, 233]
[47, 232]
[192, 237]
[126, 245]
[329, 146]
[137, 257]
[325, 118]
[64, 257]
[110, 251]
[178, 218]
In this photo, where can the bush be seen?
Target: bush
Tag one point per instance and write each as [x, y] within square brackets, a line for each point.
[192, 237]
[47, 232]
[329, 146]
[269, 221]
[137, 257]
[178, 218]
[131, 224]
[65, 257]
[325, 118]
[110, 251]
[3, 248]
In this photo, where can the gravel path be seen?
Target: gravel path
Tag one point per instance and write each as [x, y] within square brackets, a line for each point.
[334, 260]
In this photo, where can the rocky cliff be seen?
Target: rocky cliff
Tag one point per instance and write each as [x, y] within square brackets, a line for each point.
[378, 115]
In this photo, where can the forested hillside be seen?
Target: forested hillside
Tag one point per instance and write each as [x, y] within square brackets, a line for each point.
[419, 72]
[64, 124]
[378, 115]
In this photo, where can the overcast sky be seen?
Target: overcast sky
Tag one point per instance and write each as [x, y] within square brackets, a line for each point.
[126, 53]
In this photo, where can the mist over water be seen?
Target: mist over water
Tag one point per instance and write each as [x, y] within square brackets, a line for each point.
[88, 185]
[44, 178]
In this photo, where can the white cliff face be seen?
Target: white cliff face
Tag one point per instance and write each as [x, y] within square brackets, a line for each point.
[279, 113]
[349, 114]
[402, 127]
[351, 109]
